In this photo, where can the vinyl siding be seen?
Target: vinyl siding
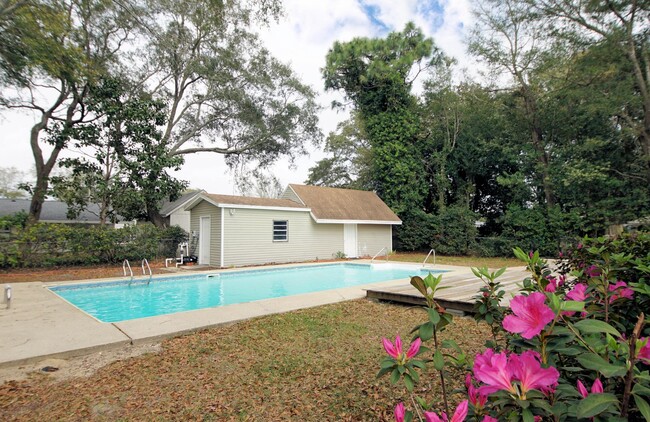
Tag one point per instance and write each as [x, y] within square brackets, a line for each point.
[372, 237]
[180, 218]
[291, 195]
[249, 238]
[204, 209]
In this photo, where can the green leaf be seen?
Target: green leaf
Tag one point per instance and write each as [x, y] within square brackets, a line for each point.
[408, 382]
[595, 404]
[394, 376]
[527, 415]
[434, 316]
[643, 406]
[597, 363]
[641, 390]
[383, 372]
[418, 283]
[387, 363]
[594, 326]
[426, 331]
[438, 360]
[573, 306]
[499, 272]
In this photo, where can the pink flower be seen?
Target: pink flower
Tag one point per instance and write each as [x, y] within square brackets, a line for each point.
[530, 315]
[399, 412]
[592, 271]
[459, 415]
[620, 290]
[554, 283]
[596, 388]
[528, 370]
[644, 353]
[578, 293]
[493, 370]
[488, 418]
[395, 351]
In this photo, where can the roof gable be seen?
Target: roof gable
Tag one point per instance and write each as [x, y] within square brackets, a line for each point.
[338, 205]
[170, 207]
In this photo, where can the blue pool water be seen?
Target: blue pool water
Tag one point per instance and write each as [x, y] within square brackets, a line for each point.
[120, 301]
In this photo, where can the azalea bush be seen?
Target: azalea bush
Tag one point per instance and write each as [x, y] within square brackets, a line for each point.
[573, 345]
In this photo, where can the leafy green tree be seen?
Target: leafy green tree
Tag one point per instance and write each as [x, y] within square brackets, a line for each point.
[10, 180]
[376, 75]
[127, 171]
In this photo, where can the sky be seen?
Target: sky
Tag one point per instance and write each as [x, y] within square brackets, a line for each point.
[301, 38]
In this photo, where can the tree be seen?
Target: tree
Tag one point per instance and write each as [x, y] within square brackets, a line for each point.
[624, 26]
[126, 172]
[226, 94]
[260, 185]
[57, 50]
[350, 158]
[376, 75]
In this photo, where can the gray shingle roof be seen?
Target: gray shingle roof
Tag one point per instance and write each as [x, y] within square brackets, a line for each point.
[53, 211]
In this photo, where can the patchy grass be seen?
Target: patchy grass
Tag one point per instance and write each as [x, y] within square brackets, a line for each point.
[463, 261]
[308, 365]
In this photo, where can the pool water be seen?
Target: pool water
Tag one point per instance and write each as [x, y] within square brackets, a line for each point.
[120, 301]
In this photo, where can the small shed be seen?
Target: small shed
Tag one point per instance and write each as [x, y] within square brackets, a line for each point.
[307, 223]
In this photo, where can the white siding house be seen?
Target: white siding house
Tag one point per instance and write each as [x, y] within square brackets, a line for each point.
[308, 223]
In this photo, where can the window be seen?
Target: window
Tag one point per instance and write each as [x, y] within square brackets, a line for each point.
[280, 231]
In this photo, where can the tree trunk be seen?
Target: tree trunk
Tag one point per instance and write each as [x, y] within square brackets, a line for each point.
[155, 217]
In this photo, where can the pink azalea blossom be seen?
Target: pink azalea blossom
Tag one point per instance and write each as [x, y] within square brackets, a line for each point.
[644, 353]
[596, 388]
[493, 370]
[459, 415]
[400, 413]
[620, 289]
[554, 283]
[395, 350]
[530, 315]
[477, 399]
[488, 418]
[528, 371]
[592, 271]
[578, 293]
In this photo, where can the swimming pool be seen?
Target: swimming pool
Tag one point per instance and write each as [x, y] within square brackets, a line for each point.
[121, 300]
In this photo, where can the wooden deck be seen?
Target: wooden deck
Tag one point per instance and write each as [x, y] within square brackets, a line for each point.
[463, 286]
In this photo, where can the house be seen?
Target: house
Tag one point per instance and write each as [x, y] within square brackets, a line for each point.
[307, 223]
[175, 212]
[55, 212]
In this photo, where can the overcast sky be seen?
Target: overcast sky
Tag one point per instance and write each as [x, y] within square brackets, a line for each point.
[301, 39]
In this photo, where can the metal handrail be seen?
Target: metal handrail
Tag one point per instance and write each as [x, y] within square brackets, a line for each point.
[126, 265]
[385, 248]
[144, 261]
[429, 254]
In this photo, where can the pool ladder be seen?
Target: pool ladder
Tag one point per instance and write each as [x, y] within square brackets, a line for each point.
[126, 265]
[432, 251]
[144, 261]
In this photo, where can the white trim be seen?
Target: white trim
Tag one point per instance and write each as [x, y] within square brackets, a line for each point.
[183, 204]
[223, 227]
[297, 196]
[332, 221]
[263, 207]
[203, 239]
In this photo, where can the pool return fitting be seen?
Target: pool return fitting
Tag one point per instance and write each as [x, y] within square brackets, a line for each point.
[7, 295]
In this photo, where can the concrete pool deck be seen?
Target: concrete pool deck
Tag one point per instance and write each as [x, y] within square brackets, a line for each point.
[41, 325]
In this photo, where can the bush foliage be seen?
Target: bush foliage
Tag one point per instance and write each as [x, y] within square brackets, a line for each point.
[43, 244]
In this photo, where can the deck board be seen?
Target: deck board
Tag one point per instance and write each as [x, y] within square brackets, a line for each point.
[462, 284]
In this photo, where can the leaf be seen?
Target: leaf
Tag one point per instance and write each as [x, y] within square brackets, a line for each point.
[573, 306]
[394, 376]
[418, 283]
[383, 372]
[408, 382]
[594, 326]
[434, 316]
[438, 360]
[595, 404]
[499, 272]
[641, 390]
[597, 363]
[527, 415]
[426, 331]
[643, 406]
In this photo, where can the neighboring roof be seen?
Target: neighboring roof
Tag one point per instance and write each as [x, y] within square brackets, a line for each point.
[337, 205]
[52, 212]
[170, 207]
[244, 202]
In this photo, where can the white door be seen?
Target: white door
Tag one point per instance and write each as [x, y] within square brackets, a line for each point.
[204, 241]
[350, 240]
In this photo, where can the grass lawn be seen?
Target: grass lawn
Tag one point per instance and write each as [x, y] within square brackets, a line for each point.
[314, 364]
[464, 261]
